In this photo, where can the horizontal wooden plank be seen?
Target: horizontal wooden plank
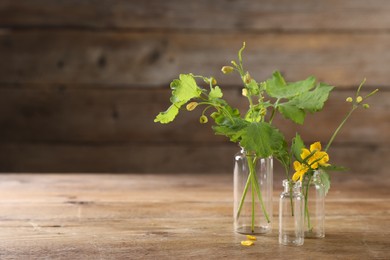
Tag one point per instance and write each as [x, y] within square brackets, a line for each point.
[155, 58]
[133, 158]
[148, 238]
[117, 115]
[148, 216]
[202, 14]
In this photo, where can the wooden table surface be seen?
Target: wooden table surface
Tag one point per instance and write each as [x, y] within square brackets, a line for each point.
[75, 216]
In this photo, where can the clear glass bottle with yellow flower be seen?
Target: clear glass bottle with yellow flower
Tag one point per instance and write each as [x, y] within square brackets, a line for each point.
[314, 205]
[308, 170]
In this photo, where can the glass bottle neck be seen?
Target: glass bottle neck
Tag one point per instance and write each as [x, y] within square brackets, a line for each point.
[291, 186]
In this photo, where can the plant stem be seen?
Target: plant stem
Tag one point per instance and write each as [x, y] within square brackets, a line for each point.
[306, 206]
[251, 165]
[243, 196]
[339, 127]
[253, 208]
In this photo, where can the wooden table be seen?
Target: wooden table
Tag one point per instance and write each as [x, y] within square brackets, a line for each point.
[74, 216]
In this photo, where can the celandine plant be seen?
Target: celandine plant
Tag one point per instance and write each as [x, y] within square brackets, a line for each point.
[253, 129]
[311, 169]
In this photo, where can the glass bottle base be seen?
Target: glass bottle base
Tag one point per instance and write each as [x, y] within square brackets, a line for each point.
[286, 240]
[311, 234]
[257, 230]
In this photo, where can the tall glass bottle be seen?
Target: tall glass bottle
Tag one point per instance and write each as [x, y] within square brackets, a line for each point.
[253, 187]
[314, 193]
[291, 214]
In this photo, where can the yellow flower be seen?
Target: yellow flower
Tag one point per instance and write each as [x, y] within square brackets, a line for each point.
[247, 243]
[349, 99]
[251, 237]
[359, 99]
[313, 158]
[317, 158]
[300, 170]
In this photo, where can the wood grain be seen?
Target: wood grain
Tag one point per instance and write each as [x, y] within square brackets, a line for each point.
[58, 114]
[200, 15]
[155, 58]
[157, 158]
[172, 217]
[82, 80]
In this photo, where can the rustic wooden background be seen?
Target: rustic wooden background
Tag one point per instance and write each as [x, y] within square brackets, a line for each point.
[81, 81]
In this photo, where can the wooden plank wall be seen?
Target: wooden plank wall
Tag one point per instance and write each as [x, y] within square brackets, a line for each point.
[81, 81]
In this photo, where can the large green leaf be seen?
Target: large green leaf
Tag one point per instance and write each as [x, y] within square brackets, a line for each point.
[278, 88]
[184, 89]
[313, 101]
[262, 138]
[232, 128]
[168, 115]
[292, 112]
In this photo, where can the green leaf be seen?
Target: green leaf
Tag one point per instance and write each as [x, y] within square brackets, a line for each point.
[253, 88]
[325, 179]
[292, 112]
[313, 101]
[262, 138]
[297, 146]
[278, 88]
[233, 130]
[283, 156]
[215, 92]
[168, 115]
[184, 89]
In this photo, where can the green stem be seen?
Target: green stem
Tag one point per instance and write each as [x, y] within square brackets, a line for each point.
[251, 165]
[253, 208]
[252, 178]
[291, 201]
[339, 127]
[307, 215]
[243, 197]
[274, 110]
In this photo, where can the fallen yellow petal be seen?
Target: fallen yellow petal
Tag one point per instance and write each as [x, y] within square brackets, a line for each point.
[251, 237]
[247, 243]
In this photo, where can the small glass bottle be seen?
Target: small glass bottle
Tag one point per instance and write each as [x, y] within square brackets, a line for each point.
[253, 188]
[314, 193]
[291, 214]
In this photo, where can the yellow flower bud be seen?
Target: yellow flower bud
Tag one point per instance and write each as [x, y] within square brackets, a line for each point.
[226, 70]
[191, 106]
[349, 99]
[203, 119]
[247, 243]
[247, 78]
[213, 81]
[366, 106]
[244, 92]
[359, 99]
